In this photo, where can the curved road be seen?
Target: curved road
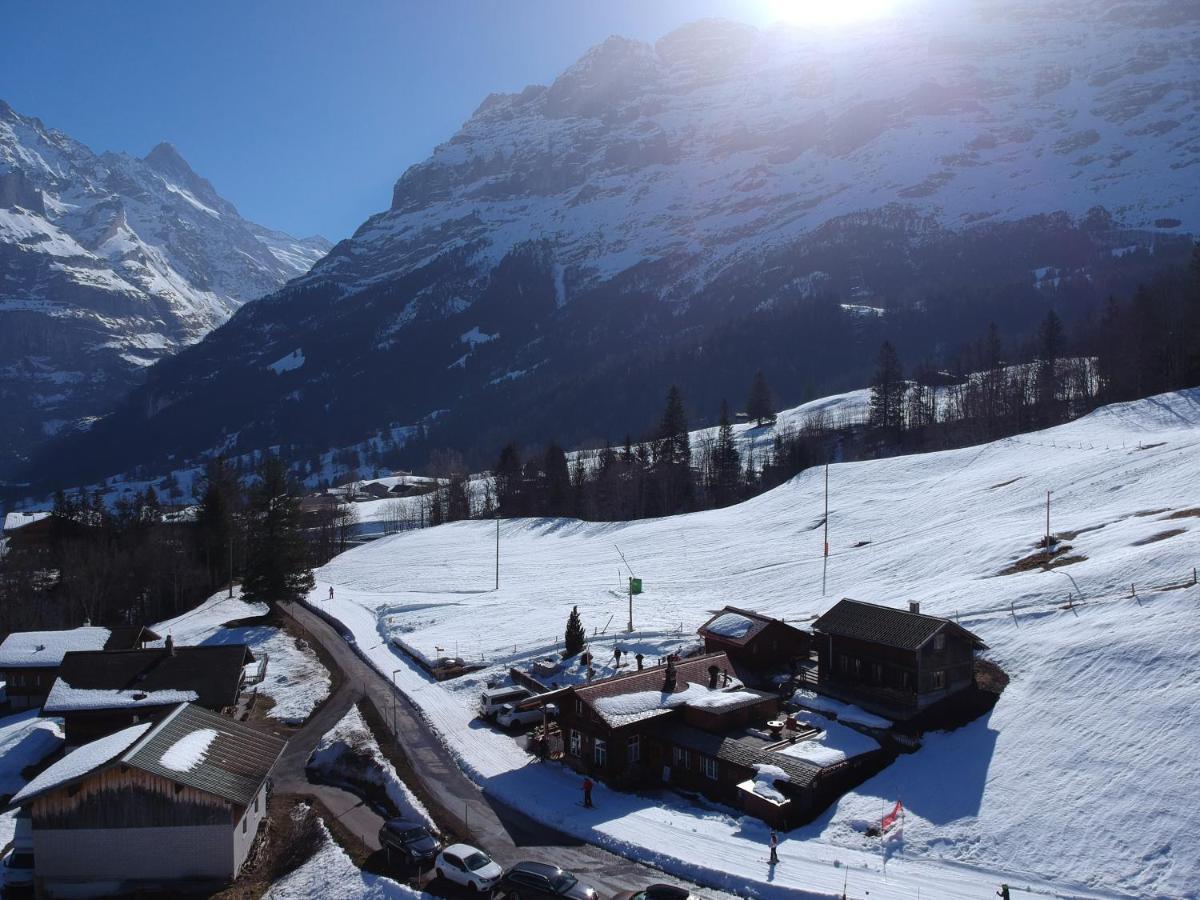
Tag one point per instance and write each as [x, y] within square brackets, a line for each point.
[507, 834]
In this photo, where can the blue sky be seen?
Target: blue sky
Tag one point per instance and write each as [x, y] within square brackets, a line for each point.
[303, 114]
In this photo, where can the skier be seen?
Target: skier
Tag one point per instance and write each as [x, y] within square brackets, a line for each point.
[774, 848]
[1003, 892]
[587, 792]
[331, 592]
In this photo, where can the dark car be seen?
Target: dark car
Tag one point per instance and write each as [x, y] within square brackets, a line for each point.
[658, 892]
[411, 840]
[529, 880]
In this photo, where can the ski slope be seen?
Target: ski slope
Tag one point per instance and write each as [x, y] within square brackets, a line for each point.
[1080, 782]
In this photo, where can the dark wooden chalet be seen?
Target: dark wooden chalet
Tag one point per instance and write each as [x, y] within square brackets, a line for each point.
[100, 692]
[692, 725]
[30, 660]
[754, 642]
[157, 807]
[893, 662]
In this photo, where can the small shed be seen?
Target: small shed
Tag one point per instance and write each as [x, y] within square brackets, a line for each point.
[152, 807]
[755, 642]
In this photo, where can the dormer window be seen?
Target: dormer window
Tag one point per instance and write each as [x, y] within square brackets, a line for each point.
[939, 641]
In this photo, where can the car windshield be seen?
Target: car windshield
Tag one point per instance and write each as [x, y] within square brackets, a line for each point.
[563, 882]
[477, 861]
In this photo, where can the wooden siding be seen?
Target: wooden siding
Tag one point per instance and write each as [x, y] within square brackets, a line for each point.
[123, 797]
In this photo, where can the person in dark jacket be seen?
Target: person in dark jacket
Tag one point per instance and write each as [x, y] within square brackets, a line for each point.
[774, 848]
[587, 792]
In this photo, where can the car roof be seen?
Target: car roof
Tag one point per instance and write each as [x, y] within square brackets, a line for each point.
[537, 868]
[463, 850]
[403, 824]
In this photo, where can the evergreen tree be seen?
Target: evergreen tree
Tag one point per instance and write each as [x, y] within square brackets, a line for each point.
[726, 465]
[674, 444]
[219, 505]
[1051, 342]
[556, 479]
[276, 553]
[887, 390]
[759, 405]
[575, 638]
[508, 481]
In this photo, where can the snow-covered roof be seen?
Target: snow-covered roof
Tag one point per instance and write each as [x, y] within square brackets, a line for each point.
[81, 761]
[763, 782]
[845, 712]
[622, 709]
[730, 624]
[63, 698]
[189, 751]
[15, 520]
[836, 744]
[45, 649]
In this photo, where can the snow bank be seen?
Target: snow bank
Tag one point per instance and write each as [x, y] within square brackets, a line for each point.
[189, 751]
[83, 760]
[331, 874]
[351, 735]
[845, 712]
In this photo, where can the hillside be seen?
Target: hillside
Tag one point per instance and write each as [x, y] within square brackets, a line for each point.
[690, 211]
[1080, 782]
[108, 263]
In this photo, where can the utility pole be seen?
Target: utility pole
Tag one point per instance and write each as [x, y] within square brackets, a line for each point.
[231, 565]
[1047, 526]
[825, 562]
[497, 551]
[631, 605]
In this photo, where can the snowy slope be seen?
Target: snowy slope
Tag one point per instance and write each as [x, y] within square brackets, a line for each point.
[1082, 779]
[108, 263]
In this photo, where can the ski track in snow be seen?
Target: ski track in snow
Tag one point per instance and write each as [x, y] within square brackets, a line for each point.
[1078, 783]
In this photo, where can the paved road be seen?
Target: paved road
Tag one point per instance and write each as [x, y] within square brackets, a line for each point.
[508, 835]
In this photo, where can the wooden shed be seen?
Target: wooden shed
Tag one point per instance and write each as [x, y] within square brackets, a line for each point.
[161, 807]
[754, 642]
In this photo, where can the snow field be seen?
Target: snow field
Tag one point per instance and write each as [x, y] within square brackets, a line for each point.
[1078, 783]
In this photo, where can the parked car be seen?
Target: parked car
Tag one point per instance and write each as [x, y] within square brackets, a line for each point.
[411, 840]
[511, 717]
[493, 699]
[18, 869]
[468, 866]
[658, 892]
[529, 880]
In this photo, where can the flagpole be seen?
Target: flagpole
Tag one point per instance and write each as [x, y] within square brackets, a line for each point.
[825, 562]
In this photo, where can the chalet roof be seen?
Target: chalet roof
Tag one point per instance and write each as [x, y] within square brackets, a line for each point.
[207, 751]
[210, 674]
[649, 682]
[886, 625]
[129, 637]
[15, 520]
[739, 626]
[45, 649]
[732, 750]
[192, 746]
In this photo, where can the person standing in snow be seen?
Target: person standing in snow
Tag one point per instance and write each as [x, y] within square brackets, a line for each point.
[774, 848]
[587, 792]
[331, 592]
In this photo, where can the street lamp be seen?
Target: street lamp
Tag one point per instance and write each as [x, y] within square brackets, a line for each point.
[395, 690]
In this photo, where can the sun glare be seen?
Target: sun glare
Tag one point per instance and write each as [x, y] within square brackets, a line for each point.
[827, 12]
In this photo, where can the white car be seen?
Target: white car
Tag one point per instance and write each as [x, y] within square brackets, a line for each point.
[511, 717]
[18, 869]
[468, 866]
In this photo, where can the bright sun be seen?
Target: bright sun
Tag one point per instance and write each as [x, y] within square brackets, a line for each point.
[827, 12]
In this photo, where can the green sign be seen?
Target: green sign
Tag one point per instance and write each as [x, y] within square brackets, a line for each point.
[635, 585]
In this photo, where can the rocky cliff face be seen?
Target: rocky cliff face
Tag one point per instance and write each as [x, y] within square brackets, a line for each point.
[107, 264]
[725, 199]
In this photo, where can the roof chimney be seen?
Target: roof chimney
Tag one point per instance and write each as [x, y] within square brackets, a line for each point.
[669, 682]
[914, 607]
[170, 645]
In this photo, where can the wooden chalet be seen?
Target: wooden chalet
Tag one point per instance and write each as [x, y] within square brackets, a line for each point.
[30, 659]
[890, 661]
[692, 725]
[155, 808]
[100, 692]
[754, 642]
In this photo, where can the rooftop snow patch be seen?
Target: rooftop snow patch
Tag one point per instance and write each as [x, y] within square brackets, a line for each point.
[733, 625]
[836, 744]
[845, 712]
[64, 698]
[623, 709]
[189, 751]
[15, 520]
[293, 360]
[38, 649]
[83, 760]
[764, 782]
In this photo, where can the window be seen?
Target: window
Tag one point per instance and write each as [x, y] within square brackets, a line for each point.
[633, 749]
[578, 707]
[877, 673]
[711, 769]
[576, 742]
[939, 641]
[682, 757]
[600, 752]
[844, 663]
[939, 680]
[243, 826]
[906, 680]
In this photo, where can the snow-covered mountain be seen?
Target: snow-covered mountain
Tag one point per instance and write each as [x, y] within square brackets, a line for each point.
[695, 209]
[107, 263]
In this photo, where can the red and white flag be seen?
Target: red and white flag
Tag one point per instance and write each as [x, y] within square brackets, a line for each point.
[890, 819]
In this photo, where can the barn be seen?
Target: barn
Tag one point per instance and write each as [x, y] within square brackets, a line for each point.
[167, 806]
